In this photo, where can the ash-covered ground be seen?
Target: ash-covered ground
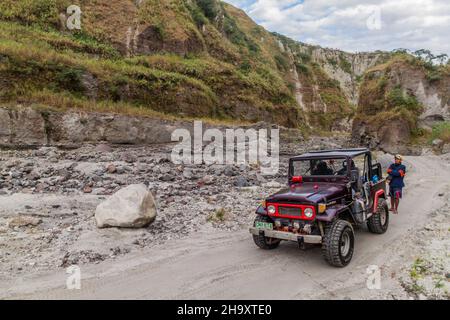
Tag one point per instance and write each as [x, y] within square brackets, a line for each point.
[48, 198]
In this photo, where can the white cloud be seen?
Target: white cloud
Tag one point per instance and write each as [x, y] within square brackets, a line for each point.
[343, 24]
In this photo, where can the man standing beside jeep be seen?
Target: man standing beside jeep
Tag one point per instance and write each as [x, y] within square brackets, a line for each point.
[397, 172]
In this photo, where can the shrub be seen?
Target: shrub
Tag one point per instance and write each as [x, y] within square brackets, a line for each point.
[210, 8]
[433, 76]
[159, 29]
[198, 15]
[220, 215]
[245, 66]
[344, 64]
[330, 83]
[332, 61]
[30, 11]
[70, 79]
[441, 131]
[306, 57]
[302, 68]
[236, 36]
[282, 62]
[382, 83]
[398, 98]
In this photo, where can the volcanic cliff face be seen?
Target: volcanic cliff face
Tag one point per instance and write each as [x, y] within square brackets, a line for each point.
[400, 102]
[197, 58]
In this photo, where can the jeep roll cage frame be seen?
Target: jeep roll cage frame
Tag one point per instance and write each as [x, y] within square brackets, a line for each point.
[345, 154]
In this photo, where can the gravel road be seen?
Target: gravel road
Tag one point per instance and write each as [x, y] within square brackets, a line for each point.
[212, 263]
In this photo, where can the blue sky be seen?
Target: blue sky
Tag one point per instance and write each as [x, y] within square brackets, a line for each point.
[365, 25]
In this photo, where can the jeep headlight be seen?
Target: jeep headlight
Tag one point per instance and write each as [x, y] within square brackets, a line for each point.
[271, 209]
[308, 212]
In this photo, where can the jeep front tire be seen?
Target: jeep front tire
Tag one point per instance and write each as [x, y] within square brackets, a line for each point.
[378, 223]
[338, 243]
[265, 242]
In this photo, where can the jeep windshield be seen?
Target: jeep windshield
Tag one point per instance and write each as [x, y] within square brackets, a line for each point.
[319, 167]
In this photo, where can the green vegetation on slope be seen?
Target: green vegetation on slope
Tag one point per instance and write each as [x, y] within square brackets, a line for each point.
[36, 58]
[31, 65]
[43, 12]
[188, 58]
[441, 131]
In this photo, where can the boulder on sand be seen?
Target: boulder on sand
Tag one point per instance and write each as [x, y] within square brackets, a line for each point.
[131, 207]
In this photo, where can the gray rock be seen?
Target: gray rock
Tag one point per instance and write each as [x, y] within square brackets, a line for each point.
[120, 170]
[207, 180]
[437, 143]
[103, 148]
[217, 169]
[187, 173]
[131, 207]
[165, 170]
[446, 148]
[243, 167]
[229, 171]
[129, 158]
[167, 177]
[156, 169]
[241, 182]
[25, 126]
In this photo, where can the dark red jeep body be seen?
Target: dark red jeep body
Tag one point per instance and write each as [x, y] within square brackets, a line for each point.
[321, 203]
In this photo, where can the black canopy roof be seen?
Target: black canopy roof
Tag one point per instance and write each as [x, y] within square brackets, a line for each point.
[337, 153]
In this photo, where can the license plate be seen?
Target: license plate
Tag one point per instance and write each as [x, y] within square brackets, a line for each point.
[264, 225]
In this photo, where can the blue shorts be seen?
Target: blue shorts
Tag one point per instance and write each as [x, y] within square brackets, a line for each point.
[395, 192]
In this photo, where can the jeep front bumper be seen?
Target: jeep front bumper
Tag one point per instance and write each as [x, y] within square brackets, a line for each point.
[282, 235]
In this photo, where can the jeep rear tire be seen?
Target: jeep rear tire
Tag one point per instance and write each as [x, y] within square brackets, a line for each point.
[265, 242]
[378, 223]
[338, 243]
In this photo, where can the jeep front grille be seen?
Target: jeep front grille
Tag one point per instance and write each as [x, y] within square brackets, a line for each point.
[290, 211]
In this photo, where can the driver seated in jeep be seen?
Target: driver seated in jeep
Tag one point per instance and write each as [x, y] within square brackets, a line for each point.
[322, 169]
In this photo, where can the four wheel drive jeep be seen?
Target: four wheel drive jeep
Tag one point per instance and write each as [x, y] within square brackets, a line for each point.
[329, 192]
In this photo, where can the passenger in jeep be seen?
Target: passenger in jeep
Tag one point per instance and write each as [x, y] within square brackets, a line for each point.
[343, 171]
[397, 172]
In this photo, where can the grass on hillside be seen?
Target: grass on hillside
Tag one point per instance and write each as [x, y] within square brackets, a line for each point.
[213, 61]
[441, 131]
[33, 59]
